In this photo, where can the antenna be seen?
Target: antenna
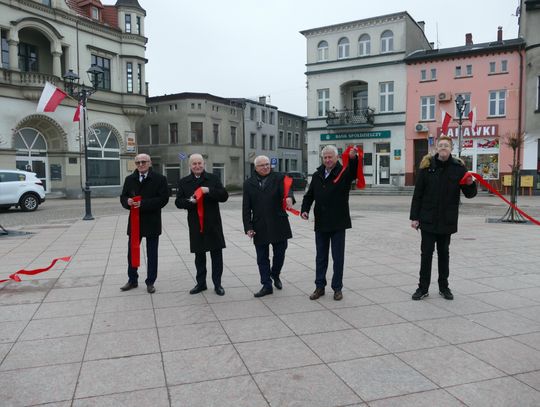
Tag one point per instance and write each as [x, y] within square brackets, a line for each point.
[437, 31]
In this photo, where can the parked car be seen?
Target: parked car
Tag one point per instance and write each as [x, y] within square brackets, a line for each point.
[22, 189]
[299, 181]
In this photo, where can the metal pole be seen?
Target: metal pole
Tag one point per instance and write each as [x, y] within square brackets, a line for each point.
[87, 192]
[460, 123]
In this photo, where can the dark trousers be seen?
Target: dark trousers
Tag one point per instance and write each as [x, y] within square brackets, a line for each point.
[263, 261]
[152, 244]
[427, 248]
[323, 241]
[217, 267]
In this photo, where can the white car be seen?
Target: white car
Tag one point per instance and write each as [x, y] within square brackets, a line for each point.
[20, 188]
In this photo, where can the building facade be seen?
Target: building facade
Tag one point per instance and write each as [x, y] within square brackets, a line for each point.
[182, 124]
[291, 142]
[529, 21]
[489, 78]
[41, 41]
[356, 91]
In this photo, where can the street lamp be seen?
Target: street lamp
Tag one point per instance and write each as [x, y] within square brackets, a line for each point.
[82, 92]
[460, 108]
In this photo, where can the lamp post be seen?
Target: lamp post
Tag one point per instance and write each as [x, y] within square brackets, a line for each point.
[460, 108]
[82, 92]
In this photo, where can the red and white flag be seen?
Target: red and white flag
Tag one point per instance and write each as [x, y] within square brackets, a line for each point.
[445, 120]
[472, 118]
[78, 112]
[50, 98]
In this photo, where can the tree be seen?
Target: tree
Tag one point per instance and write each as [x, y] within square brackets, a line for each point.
[515, 142]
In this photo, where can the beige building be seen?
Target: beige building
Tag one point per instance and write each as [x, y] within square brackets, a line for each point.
[41, 41]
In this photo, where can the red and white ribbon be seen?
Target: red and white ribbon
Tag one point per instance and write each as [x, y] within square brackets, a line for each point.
[15, 276]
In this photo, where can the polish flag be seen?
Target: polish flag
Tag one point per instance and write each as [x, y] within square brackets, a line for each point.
[78, 111]
[472, 118]
[50, 98]
[445, 120]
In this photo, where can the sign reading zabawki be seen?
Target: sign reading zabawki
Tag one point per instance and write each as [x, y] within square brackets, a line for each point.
[358, 135]
[491, 130]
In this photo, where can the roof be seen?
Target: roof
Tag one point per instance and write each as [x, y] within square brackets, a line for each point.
[129, 3]
[190, 95]
[465, 50]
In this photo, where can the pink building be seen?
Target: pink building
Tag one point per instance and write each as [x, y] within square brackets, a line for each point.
[489, 77]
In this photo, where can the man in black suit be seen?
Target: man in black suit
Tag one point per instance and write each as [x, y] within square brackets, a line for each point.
[154, 192]
[210, 238]
[266, 222]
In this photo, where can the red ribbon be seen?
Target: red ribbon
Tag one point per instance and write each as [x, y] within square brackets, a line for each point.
[199, 196]
[360, 180]
[486, 184]
[16, 278]
[134, 236]
[287, 184]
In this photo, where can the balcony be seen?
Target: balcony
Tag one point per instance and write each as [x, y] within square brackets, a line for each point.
[351, 117]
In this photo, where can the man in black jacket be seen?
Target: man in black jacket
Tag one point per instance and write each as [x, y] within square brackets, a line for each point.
[434, 210]
[153, 190]
[329, 188]
[210, 238]
[266, 222]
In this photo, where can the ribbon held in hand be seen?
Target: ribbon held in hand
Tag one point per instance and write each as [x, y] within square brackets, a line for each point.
[134, 235]
[360, 180]
[287, 184]
[199, 196]
[16, 278]
[486, 184]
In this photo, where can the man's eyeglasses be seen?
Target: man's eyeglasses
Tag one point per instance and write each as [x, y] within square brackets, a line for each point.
[140, 162]
[263, 165]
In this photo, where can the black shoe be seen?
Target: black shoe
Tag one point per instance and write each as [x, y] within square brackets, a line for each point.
[338, 295]
[151, 289]
[319, 292]
[264, 291]
[219, 290]
[277, 282]
[129, 285]
[197, 289]
[419, 294]
[447, 294]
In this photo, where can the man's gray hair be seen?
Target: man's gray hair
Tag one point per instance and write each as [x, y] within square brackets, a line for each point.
[195, 156]
[259, 158]
[329, 148]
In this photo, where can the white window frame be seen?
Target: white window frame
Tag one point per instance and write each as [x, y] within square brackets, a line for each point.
[343, 48]
[504, 65]
[423, 75]
[427, 108]
[322, 51]
[364, 45]
[386, 97]
[323, 102]
[387, 41]
[497, 103]
[433, 73]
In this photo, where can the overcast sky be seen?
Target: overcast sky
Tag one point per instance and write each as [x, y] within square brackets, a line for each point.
[249, 48]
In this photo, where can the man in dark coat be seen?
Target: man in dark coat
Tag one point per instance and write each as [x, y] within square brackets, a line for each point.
[153, 190]
[210, 239]
[266, 222]
[434, 210]
[329, 188]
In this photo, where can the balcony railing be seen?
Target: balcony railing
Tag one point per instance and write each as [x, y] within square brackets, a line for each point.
[31, 79]
[351, 117]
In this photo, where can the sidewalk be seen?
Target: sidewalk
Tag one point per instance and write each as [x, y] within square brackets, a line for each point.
[70, 337]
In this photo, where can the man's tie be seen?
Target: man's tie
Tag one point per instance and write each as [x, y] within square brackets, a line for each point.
[143, 176]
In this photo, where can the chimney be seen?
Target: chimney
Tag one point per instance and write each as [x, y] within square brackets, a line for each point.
[432, 45]
[262, 100]
[468, 39]
[499, 34]
[421, 24]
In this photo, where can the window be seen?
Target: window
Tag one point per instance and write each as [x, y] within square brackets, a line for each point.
[297, 123]
[263, 142]
[468, 70]
[218, 169]
[467, 98]
[233, 136]
[139, 79]
[95, 13]
[28, 57]
[103, 157]
[433, 74]
[427, 108]
[497, 103]
[46, 2]
[128, 23]
[281, 120]
[492, 67]
[364, 45]
[154, 134]
[387, 41]
[504, 65]
[322, 51]
[193, 105]
[294, 164]
[323, 101]
[196, 132]
[296, 140]
[359, 100]
[5, 50]
[343, 48]
[271, 145]
[253, 140]
[423, 75]
[216, 133]
[289, 139]
[173, 133]
[105, 64]
[129, 77]
[281, 137]
[252, 113]
[263, 115]
[272, 114]
[138, 19]
[458, 72]
[386, 93]
[199, 106]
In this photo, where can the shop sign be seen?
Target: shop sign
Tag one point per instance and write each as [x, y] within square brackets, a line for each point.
[131, 144]
[491, 130]
[358, 135]
[397, 154]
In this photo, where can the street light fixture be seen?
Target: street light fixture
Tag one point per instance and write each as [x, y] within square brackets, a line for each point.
[82, 92]
[460, 108]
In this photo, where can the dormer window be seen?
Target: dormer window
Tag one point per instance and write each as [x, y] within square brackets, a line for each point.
[94, 13]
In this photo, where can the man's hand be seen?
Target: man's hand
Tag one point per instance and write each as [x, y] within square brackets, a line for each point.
[205, 190]
[135, 204]
[305, 215]
[289, 202]
[415, 224]
[469, 180]
[250, 233]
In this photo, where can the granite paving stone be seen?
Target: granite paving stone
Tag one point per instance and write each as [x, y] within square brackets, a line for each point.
[57, 327]
[315, 321]
[432, 398]
[253, 329]
[142, 398]
[457, 329]
[402, 337]
[109, 345]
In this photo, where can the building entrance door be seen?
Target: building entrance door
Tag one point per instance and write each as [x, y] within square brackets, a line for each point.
[382, 167]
